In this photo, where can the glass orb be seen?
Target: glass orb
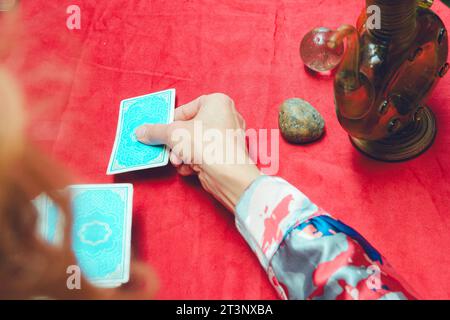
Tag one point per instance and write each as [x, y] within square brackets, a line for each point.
[315, 52]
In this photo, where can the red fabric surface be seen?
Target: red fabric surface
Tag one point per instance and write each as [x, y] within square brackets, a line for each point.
[249, 50]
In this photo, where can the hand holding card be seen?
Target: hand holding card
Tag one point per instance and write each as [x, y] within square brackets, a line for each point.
[225, 173]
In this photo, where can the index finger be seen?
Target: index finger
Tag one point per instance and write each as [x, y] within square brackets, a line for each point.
[188, 111]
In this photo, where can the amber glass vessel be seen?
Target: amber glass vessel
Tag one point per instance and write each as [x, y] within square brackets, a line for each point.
[385, 76]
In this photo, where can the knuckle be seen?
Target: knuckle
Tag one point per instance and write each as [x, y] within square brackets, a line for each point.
[202, 99]
[222, 97]
[220, 100]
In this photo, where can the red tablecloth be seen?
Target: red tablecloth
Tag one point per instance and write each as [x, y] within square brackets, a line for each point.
[249, 50]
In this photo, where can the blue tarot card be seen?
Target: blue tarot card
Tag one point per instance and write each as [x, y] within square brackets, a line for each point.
[101, 232]
[128, 154]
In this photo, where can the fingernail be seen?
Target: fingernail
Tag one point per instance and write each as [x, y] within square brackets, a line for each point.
[140, 132]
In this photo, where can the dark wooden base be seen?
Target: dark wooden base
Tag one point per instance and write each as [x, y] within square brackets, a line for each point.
[404, 145]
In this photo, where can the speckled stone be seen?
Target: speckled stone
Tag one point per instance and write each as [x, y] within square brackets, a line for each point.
[299, 122]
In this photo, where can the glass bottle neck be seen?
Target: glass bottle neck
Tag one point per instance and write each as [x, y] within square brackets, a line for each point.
[398, 20]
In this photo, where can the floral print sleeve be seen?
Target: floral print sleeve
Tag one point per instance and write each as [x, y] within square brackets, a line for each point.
[307, 253]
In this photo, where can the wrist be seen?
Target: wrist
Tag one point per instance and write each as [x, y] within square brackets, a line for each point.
[233, 181]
